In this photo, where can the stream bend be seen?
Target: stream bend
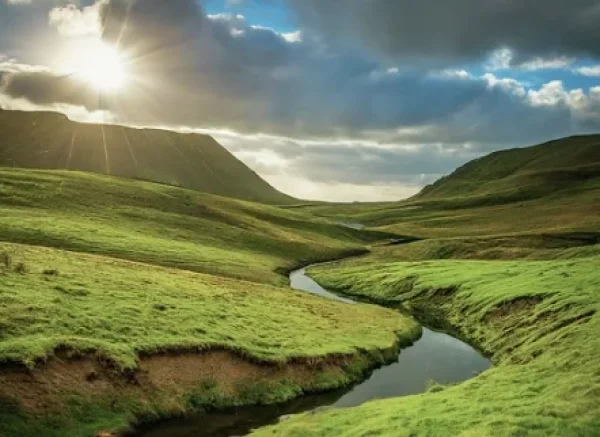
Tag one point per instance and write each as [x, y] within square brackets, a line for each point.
[436, 357]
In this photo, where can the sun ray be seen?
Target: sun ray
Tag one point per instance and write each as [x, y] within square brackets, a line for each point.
[135, 163]
[73, 138]
[106, 159]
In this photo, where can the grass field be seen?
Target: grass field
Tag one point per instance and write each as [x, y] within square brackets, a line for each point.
[184, 293]
[165, 225]
[118, 270]
[539, 321]
[52, 299]
[107, 343]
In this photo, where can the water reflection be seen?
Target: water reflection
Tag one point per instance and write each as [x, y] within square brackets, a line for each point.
[435, 357]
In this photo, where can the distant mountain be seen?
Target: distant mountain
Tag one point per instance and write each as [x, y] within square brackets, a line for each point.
[520, 174]
[46, 140]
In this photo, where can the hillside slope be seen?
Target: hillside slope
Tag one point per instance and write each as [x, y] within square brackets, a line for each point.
[549, 188]
[524, 173]
[165, 303]
[165, 225]
[47, 140]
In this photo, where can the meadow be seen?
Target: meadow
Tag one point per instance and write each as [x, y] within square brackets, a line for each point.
[539, 322]
[101, 278]
[117, 310]
[167, 226]
[508, 261]
[123, 300]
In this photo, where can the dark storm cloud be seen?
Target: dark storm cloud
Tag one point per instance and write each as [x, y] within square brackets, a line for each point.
[47, 88]
[442, 31]
[219, 72]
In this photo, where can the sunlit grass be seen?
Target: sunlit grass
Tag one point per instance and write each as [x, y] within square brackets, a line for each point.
[165, 225]
[540, 321]
[119, 309]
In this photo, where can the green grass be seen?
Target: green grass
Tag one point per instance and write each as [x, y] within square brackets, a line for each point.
[569, 210]
[118, 309]
[524, 173]
[516, 246]
[539, 321]
[550, 188]
[153, 268]
[47, 140]
[166, 226]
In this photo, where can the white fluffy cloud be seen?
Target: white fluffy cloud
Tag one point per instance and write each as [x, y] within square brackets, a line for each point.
[72, 21]
[507, 84]
[589, 71]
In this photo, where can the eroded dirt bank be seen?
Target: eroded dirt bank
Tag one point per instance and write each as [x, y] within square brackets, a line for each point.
[166, 385]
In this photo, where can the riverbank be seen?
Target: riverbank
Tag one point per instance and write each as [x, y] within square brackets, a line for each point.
[436, 356]
[93, 343]
[539, 322]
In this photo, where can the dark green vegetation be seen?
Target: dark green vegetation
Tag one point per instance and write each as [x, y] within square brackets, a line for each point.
[533, 304]
[47, 140]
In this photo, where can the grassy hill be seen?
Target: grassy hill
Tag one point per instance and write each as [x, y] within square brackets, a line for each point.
[521, 174]
[538, 320]
[91, 343]
[165, 225]
[124, 300]
[45, 140]
[549, 188]
[508, 261]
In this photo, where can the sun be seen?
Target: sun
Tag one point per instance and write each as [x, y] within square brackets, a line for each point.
[101, 65]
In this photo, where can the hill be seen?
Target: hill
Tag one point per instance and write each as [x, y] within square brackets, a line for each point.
[549, 188]
[165, 225]
[509, 262]
[525, 173]
[124, 300]
[46, 140]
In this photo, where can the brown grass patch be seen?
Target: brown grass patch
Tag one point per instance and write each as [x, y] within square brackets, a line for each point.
[514, 307]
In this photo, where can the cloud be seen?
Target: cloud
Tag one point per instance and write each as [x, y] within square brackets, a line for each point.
[41, 86]
[439, 31]
[345, 170]
[71, 21]
[504, 59]
[299, 106]
[593, 71]
[220, 72]
[538, 63]
[509, 85]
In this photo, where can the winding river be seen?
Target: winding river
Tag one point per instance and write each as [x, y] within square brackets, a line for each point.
[435, 357]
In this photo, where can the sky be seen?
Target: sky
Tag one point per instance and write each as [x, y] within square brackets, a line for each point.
[341, 100]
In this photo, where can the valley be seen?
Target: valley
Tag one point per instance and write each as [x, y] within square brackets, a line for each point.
[125, 301]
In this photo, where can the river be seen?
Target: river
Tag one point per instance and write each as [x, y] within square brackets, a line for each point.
[435, 357]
